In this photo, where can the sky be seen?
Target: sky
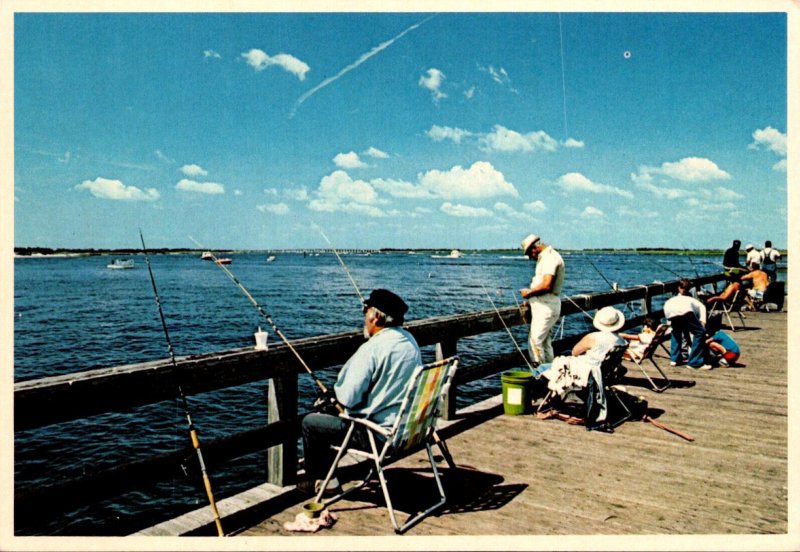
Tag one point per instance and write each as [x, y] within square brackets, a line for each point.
[402, 130]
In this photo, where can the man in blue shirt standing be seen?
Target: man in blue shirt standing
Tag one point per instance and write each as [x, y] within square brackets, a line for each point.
[371, 385]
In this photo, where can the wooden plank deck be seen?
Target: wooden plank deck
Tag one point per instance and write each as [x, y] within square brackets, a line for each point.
[520, 476]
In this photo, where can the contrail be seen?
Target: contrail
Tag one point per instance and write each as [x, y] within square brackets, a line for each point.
[377, 49]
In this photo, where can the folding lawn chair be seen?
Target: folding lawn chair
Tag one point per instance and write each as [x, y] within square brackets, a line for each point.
[736, 304]
[639, 358]
[415, 425]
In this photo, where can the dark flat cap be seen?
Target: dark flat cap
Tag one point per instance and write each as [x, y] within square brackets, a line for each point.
[387, 302]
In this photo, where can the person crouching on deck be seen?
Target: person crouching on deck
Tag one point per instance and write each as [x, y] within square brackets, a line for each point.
[371, 384]
[687, 316]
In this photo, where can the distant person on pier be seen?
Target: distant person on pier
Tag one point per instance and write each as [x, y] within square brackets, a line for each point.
[687, 316]
[639, 342]
[371, 385]
[543, 296]
[753, 256]
[730, 260]
[769, 260]
[734, 285]
[722, 348]
[760, 281]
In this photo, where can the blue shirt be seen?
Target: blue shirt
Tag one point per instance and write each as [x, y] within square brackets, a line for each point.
[726, 341]
[373, 382]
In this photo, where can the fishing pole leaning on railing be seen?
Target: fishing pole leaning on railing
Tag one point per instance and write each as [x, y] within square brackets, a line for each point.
[326, 394]
[192, 430]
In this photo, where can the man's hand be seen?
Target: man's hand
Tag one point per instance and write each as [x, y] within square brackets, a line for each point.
[326, 403]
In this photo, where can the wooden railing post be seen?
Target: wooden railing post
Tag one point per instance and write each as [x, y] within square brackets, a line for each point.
[444, 350]
[282, 405]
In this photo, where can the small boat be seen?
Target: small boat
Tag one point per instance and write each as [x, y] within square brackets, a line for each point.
[454, 254]
[117, 264]
[223, 261]
[207, 256]
[270, 258]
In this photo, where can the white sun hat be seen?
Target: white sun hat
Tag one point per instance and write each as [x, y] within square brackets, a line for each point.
[608, 319]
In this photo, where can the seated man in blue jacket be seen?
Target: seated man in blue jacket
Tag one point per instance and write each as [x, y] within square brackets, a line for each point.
[371, 384]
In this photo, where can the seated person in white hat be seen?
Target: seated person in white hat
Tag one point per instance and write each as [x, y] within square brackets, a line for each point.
[568, 373]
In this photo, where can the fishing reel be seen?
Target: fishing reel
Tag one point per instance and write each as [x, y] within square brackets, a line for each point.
[326, 403]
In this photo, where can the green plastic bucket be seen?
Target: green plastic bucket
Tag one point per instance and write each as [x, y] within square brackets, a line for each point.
[516, 392]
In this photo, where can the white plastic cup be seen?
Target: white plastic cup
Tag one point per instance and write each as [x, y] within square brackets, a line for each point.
[261, 340]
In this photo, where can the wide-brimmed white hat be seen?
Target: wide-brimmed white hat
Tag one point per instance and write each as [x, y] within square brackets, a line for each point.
[608, 319]
[748, 247]
[529, 240]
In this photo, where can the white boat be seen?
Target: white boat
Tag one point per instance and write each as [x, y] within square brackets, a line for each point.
[270, 258]
[207, 256]
[454, 254]
[118, 264]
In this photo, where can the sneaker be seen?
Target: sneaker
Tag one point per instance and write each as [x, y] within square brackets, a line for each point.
[705, 367]
[723, 362]
[673, 363]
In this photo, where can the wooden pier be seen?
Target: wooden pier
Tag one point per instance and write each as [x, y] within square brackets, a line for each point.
[527, 478]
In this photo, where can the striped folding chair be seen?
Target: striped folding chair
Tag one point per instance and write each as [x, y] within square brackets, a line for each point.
[415, 426]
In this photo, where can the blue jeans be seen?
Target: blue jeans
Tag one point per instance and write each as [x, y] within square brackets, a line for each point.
[685, 329]
[320, 433]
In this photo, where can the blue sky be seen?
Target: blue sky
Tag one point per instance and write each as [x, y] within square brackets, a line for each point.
[465, 130]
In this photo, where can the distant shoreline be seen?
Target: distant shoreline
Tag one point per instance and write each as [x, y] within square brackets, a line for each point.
[39, 252]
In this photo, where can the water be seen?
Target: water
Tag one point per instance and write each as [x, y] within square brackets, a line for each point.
[73, 314]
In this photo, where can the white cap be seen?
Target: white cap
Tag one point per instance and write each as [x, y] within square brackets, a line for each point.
[529, 240]
[748, 247]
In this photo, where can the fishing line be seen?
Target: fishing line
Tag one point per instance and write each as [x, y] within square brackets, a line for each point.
[266, 317]
[344, 266]
[192, 429]
[489, 297]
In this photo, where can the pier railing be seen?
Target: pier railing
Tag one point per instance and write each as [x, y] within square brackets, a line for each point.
[57, 399]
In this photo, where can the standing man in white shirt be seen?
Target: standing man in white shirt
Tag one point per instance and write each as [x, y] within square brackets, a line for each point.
[769, 260]
[753, 256]
[543, 296]
[687, 316]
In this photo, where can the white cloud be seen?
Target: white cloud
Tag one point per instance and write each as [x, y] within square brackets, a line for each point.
[260, 60]
[274, 208]
[401, 188]
[576, 182]
[689, 169]
[433, 82]
[339, 192]
[211, 54]
[573, 143]
[457, 210]
[376, 153]
[193, 170]
[469, 92]
[500, 76]
[659, 191]
[187, 185]
[780, 166]
[238, 192]
[114, 189]
[504, 139]
[771, 138]
[509, 211]
[537, 206]
[592, 212]
[296, 194]
[438, 133]
[481, 180]
[65, 158]
[349, 160]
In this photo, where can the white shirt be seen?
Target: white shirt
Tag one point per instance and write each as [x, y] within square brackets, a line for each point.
[549, 262]
[754, 256]
[681, 304]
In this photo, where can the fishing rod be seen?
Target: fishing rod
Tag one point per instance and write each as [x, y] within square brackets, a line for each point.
[612, 285]
[344, 266]
[268, 318]
[192, 429]
[489, 297]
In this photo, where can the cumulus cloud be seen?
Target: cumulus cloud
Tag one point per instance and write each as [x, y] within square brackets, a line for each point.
[481, 180]
[576, 182]
[274, 208]
[260, 60]
[114, 189]
[780, 166]
[401, 188]
[688, 169]
[573, 143]
[339, 192]
[457, 210]
[349, 160]
[193, 170]
[537, 206]
[507, 140]
[770, 138]
[439, 133]
[508, 211]
[212, 188]
[211, 54]
[376, 153]
[432, 80]
[592, 212]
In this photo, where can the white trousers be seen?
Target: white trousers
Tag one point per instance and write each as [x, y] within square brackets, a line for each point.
[545, 311]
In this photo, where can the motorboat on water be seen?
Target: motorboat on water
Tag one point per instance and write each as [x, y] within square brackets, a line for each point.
[207, 256]
[223, 261]
[454, 254]
[118, 264]
[270, 258]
